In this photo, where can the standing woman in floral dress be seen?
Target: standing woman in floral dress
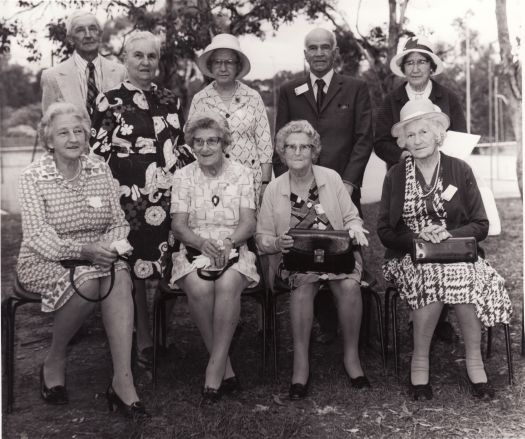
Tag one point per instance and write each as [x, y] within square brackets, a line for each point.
[137, 129]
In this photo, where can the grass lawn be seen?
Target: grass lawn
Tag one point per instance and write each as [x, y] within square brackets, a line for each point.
[333, 409]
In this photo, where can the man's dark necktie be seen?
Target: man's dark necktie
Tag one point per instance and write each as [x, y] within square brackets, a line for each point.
[320, 94]
[92, 91]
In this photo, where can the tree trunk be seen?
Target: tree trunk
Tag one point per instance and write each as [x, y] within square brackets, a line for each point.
[512, 78]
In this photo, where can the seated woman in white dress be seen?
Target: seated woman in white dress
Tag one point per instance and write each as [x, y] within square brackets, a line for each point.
[213, 214]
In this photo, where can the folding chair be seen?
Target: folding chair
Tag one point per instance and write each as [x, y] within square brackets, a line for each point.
[391, 299]
[367, 291]
[164, 294]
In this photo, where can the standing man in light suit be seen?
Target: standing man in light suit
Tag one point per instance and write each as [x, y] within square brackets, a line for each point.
[338, 107]
[80, 78]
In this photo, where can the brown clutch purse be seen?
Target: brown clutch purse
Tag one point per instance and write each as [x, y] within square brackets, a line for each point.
[325, 251]
[447, 251]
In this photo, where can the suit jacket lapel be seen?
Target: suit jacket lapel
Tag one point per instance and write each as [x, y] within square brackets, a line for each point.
[309, 95]
[68, 81]
[333, 89]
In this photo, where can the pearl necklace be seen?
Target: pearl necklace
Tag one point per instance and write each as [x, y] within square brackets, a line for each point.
[76, 174]
[433, 188]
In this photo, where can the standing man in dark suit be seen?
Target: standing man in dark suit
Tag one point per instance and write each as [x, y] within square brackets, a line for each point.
[82, 76]
[338, 107]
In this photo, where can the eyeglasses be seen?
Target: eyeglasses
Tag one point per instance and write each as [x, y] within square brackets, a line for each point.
[210, 141]
[301, 148]
[225, 62]
[419, 63]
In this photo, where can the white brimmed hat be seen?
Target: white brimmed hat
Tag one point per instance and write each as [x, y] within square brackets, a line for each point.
[415, 44]
[419, 109]
[223, 41]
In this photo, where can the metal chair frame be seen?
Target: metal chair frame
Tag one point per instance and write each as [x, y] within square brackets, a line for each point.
[164, 294]
[391, 296]
[367, 290]
[9, 307]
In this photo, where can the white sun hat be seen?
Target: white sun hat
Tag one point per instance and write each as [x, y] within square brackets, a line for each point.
[415, 44]
[419, 109]
[223, 41]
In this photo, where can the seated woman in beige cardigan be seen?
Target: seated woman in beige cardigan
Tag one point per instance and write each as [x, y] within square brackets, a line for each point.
[312, 197]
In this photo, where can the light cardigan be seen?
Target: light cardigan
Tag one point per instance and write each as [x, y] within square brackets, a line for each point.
[274, 217]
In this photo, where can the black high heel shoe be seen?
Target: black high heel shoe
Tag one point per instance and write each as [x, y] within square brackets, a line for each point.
[420, 391]
[481, 390]
[230, 386]
[135, 410]
[56, 395]
[210, 395]
[360, 382]
[298, 391]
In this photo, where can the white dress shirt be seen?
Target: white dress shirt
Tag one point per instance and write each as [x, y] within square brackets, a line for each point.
[83, 73]
[326, 78]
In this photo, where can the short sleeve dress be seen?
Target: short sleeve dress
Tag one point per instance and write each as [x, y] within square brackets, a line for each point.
[213, 205]
[58, 218]
[139, 133]
[421, 284]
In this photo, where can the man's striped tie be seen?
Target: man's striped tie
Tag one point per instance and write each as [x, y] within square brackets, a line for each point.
[92, 91]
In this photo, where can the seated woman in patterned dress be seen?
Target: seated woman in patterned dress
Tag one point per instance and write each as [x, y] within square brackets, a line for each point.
[312, 197]
[70, 210]
[213, 214]
[433, 196]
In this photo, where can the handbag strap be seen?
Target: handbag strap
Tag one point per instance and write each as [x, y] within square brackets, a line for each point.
[100, 297]
[214, 275]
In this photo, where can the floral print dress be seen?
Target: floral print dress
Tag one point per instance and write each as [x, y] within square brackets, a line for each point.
[139, 133]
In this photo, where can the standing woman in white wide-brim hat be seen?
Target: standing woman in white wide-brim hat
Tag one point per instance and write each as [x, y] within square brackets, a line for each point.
[225, 62]
[417, 64]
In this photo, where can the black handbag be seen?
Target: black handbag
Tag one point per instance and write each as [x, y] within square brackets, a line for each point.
[448, 251]
[326, 251]
[207, 273]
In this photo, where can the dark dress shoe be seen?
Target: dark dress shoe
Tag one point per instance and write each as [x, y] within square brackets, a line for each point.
[481, 390]
[56, 395]
[210, 395]
[135, 410]
[230, 386]
[420, 391]
[298, 391]
[360, 382]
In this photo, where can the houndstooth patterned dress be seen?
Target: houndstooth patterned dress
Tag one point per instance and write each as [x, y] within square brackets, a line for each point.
[421, 284]
[58, 218]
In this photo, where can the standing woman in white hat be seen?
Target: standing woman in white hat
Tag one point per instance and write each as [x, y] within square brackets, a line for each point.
[242, 106]
[417, 64]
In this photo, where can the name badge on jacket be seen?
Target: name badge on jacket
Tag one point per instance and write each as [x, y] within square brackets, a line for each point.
[301, 89]
[449, 192]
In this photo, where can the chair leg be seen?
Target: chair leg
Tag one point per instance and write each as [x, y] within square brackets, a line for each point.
[264, 308]
[8, 340]
[273, 319]
[508, 347]
[156, 333]
[489, 343]
[395, 333]
[387, 318]
[380, 328]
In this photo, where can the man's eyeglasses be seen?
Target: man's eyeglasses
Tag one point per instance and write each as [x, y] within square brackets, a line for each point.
[419, 63]
[225, 62]
[210, 141]
[301, 148]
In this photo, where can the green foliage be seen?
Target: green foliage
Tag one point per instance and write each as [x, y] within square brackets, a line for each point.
[18, 86]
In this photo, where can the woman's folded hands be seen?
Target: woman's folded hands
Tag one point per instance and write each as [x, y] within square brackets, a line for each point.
[100, 254]
[434, 233]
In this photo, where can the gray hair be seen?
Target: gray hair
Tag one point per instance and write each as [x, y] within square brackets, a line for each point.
[333, 40]
[436, 127]
[298, 126]
[77, 15]
[208, 120]
[57, 109]
[141, 35]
